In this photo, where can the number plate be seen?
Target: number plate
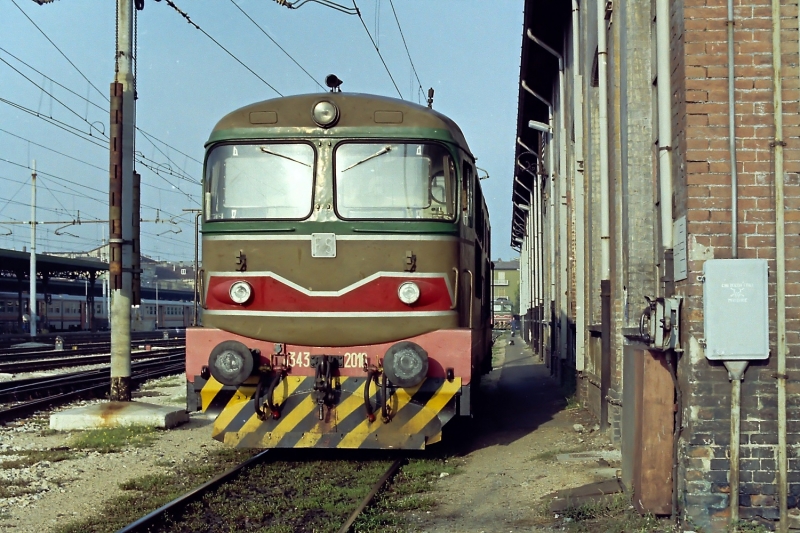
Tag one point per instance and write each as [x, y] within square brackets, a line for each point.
[323, 245]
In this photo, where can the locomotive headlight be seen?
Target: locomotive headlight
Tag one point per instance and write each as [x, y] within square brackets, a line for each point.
[240, 292]
[325, 114]
[406, 364]
[408, 292]
[231, 362]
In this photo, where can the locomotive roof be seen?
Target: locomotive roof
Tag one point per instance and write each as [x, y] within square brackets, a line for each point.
[379, 114]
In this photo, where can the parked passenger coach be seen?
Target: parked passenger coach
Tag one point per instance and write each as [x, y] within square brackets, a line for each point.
[345, 282]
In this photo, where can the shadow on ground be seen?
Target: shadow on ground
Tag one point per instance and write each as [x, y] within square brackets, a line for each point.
[513, 401]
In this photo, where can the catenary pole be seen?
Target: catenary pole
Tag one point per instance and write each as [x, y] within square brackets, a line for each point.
[32, 273]
[123, 123]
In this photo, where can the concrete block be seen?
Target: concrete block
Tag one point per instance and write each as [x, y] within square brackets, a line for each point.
[116, 414]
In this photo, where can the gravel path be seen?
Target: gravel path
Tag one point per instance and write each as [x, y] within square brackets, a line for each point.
[60, 491]
[509, 450]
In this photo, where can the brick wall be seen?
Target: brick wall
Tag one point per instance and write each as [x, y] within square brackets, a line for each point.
[703, 194]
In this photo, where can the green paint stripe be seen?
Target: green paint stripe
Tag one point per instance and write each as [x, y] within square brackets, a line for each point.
[339, 227]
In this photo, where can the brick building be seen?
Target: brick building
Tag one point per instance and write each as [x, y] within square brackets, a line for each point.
[632, 175]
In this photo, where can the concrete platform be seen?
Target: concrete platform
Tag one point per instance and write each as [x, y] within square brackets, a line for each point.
[116, 414]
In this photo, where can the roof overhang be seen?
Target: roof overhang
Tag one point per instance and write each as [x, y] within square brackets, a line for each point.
[547, 21]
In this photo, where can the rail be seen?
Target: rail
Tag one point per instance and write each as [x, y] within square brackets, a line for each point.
[58, 390]
[390, 472]
[65, 359]
[180, 502]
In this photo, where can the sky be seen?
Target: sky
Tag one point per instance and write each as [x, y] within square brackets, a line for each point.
[467, 50]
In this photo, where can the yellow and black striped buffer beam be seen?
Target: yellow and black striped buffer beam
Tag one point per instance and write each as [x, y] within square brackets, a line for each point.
[416, 414]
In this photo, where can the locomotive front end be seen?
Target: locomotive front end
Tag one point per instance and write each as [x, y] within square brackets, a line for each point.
[336, 310]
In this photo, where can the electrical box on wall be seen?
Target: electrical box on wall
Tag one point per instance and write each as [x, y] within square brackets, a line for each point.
[736, 309]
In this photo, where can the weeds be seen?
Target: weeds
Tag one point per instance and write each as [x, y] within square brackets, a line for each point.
[749, 527]
[613, 514]
[108, 440]
[549, 455]
[10, 488]
[26, 458]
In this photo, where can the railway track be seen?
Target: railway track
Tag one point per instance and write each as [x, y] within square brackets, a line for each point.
[20, 353]
[174, 509]
[48, 360]
[7, 342]
[40, 393]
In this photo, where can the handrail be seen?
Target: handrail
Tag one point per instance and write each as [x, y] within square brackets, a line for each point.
[455, 290]
[471, 293]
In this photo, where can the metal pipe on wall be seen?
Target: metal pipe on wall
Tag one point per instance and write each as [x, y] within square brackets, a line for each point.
[605, 214]
[561, 288]
[580, 242]
[731, 22]
[664, 96]
[550, 225]
[780, 263]
[602, 92]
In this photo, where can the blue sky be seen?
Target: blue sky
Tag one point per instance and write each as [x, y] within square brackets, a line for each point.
[467, 50]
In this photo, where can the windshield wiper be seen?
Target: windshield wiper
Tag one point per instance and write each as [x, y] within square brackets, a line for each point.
[276, 154]
[385, 150]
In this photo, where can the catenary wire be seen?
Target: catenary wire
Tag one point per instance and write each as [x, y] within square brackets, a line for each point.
[276, 44]
[53, 150]
[149, 136]
[59, 124]
[192, 23]
[413, 68]
[59, 51]
[358, 12]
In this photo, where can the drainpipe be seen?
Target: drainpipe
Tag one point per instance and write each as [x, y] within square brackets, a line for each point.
[735, 369]
[580, 243]
[548, 129]
[731, 22]
[562, 207]
[780, 260]
[664, 91]
[538, 243]
[605, 215]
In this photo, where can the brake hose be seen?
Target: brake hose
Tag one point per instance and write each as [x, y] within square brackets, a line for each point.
[384, 399]
[371, 376]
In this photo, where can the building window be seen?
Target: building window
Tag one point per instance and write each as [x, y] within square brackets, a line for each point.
[183, 272]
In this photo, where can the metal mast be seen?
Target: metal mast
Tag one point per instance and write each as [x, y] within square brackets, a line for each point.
[121, 203]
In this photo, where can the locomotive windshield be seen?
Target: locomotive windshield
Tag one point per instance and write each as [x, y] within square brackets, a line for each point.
[260, 181]
[394, 181]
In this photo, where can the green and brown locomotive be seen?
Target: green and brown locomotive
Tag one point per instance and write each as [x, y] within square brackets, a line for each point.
[346, 276]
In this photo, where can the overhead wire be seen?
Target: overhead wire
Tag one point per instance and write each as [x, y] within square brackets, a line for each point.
[403, 37]
[86, 99]
[59, 51]
[150, 137]
[278, 45]
[53, 150]
[51, 95]
[84, 186]
[358, 12]
[55, 122]
[204, 32]
[12, 197]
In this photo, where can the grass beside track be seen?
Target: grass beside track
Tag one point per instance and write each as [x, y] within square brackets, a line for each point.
[296, 492]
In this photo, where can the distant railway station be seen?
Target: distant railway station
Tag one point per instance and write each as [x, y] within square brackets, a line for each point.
[71, 296]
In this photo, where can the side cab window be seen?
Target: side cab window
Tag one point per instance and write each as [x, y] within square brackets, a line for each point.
[467, 194]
